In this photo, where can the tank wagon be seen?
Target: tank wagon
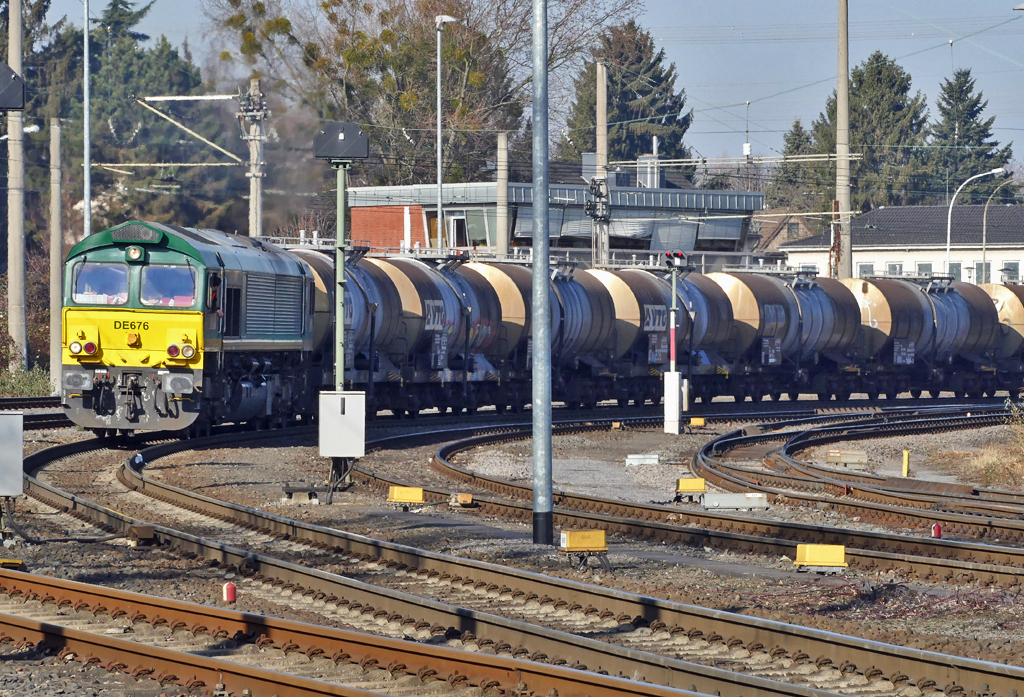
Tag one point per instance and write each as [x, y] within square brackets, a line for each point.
[170, 328]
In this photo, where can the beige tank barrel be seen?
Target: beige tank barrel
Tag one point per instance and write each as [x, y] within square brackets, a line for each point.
[1008, 302]
[889, 310]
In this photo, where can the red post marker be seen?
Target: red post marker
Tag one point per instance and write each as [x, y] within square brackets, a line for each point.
[936, 530]
[229, 592]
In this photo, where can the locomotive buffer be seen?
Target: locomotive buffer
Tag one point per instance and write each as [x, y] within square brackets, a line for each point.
[342, 415]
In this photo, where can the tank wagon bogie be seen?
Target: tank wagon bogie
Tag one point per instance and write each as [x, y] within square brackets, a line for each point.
[169, 328]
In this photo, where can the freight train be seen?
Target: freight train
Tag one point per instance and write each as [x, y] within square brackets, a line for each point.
[171, 328]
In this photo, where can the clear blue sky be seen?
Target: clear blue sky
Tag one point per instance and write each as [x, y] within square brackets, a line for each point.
[780, 55]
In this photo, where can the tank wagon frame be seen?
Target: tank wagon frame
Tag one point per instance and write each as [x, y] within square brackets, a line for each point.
[170, 328]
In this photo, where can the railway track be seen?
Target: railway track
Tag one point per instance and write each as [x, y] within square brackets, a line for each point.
[712, 637]
[954, 498]
[198, 646]
[16, 403]
[999, 521]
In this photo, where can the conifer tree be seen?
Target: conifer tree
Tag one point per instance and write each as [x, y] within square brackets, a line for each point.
[888, 126]
[792, 185]
[642, 100]
[962, 143]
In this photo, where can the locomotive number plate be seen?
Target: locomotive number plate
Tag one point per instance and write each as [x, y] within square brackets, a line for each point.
[124, 324]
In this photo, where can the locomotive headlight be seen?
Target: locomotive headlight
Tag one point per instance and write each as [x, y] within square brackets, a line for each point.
[188, 351]
[173, 350]
[134, 253]
[75, 347]
[90, 347]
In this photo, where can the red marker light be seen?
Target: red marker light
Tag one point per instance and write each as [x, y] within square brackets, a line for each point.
[173, 350]
[90, 347]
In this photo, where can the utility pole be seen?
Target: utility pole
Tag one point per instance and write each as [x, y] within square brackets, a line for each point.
[16, 322]
[86, 130]
[843, 143]
[543, 501]
[252, 114]
[56, 256]
[601, 247]
[501, 234]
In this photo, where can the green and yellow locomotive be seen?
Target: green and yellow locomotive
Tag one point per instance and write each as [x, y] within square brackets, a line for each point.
[168, 328]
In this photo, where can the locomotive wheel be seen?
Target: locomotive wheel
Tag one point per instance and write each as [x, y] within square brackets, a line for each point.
[775, 395]
[622, 401]
[916, 393]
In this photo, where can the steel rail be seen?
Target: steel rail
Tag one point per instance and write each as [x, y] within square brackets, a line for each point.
[403, 657]
[837, 649]
[17, 403]
[532, 640]
[888, 507]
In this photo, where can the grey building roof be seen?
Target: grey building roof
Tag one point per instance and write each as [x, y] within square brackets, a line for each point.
[925, 226]
[559, 194]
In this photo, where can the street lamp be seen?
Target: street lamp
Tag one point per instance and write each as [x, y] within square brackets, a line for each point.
[439, 22]
[984, 217]
[949, 216]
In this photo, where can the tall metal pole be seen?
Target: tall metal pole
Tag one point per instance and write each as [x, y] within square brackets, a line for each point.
[56, 256]
[339, 269]
[86, 129]
[543, 505]
[253, 114]
[602, 243]
[501, 235]
[16, 322]
[843, 143]
[675, 322]
[441, 242]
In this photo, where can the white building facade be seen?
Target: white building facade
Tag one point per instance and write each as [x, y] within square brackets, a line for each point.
[911, 240]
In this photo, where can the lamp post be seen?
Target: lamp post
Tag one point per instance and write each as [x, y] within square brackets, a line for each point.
[949, 215]
[439, 22]
[984, 217]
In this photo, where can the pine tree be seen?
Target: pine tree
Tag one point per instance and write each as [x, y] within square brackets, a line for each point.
[962, 143]
[793, 184]
[642, 100]
[888, 126]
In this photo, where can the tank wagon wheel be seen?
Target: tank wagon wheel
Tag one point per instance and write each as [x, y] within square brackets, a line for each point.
[622, 401]
[775, 395]
[916, 392]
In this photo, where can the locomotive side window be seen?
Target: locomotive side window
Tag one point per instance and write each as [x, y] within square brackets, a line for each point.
[100, 284]
[168, 286]
[232, 312]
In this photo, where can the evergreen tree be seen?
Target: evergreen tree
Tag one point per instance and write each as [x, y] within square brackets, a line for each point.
[888, 125]
[642, 100]
[962, 143]
[793, 184]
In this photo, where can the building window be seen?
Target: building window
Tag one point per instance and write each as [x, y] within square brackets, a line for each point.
[983, 275]
[955, 270]
[809, 268]
[924, 268]
[1011, 271]
[894, 269]
[793, 230]
[865, 270]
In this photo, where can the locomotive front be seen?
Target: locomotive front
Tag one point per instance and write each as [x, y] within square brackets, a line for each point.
[133, 345]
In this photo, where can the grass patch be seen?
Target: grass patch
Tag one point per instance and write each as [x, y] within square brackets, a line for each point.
[25, 383]
[996, 465]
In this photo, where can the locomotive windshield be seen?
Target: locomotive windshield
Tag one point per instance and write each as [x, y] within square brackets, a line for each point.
[169, 286]
[101, 284]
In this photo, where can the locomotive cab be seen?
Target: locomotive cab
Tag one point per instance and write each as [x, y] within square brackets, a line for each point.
[133, 335]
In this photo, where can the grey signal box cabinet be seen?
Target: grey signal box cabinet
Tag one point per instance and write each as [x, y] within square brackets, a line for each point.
[342, 424]
[12, 451]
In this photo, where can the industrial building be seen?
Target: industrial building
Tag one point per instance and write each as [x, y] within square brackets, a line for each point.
[714, 224]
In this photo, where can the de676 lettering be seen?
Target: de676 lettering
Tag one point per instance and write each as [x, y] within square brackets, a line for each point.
[118, 324]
